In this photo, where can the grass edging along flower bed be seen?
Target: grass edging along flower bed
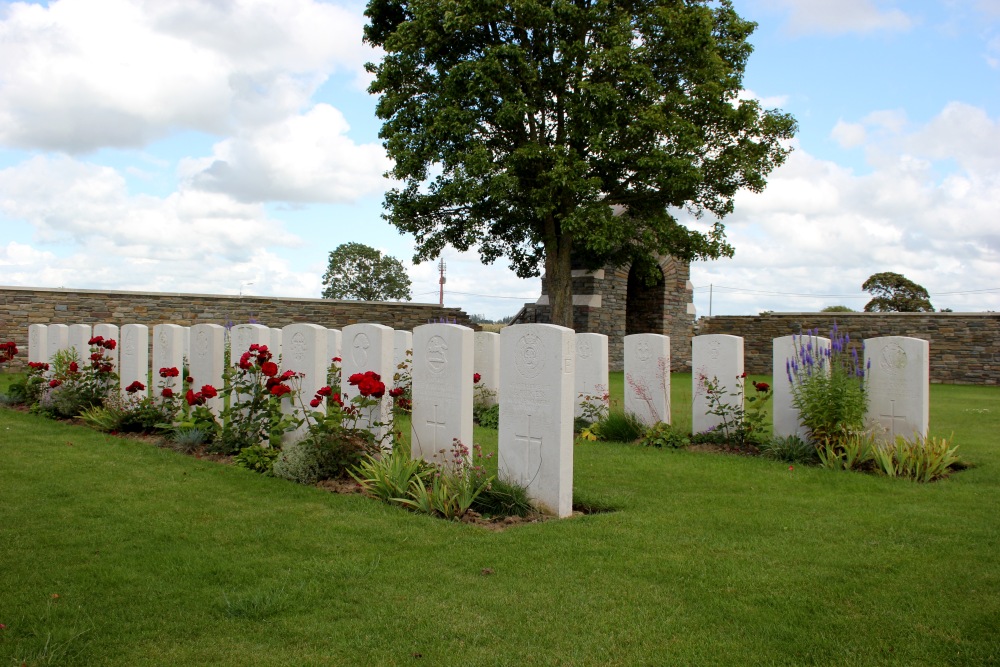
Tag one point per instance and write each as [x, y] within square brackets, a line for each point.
[158, 559]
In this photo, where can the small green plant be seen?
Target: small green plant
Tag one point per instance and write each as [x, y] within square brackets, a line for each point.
[743, 420]
[257, 458]
[451, 487]
[595, 407]
[619, 426]
[297, 463]
[791, 449]
[503, 498]
[853, 451]
[101, 419]
[663, 436]
[389, 476]
[920, 459]
[186, 440]
[487, 416]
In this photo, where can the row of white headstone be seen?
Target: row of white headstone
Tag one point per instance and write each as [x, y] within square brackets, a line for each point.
[897, 378]
[546, 374]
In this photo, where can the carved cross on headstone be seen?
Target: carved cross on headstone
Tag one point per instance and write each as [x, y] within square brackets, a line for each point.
[529, 444]
[436, 425]
[895, 423]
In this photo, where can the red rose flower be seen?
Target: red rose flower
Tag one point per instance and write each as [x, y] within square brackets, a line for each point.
[74, 367]
[96, 340]
[168, 392]
[337, 399]
[254, 347]
[337, 360]
[356, 379]
[135, 386]
[54, 383]
[744, 374]
[208, 391]
[194, 398]
[269, 368]
[761, 386]
[396, 392]
[324, 391]
[476, 377]
[96, 356]
[288, 375]
[110, 344]
[245, 361]
[315, 402]
[189, 380]
[376, 389]
[169, 372]
[280, 389]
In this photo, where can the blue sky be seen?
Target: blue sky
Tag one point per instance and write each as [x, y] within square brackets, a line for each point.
[187, 146]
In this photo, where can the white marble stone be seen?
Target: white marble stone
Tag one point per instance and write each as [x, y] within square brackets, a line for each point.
[110, 332]
[58, 339]
[442, 390]
[207, 360]
[591, 373]
[368, 347]
[304, 352]
[168, 352]
[537, 392]
[186, 332]
[274, 347]
[898, 370]
[487, 364]
[647, 377]
[717, 357]
[78, 339]
[38, 343]
[784, 349]
[133, 358]
[402, 356]
[333, 344]
[245, 335]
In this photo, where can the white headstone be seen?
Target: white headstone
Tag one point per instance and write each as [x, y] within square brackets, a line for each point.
[78, 338]
[591, 373]
[785, 416]
[110, 332]
[368, 347]
[275, 346]
[38, 344]
[442, 390]
[487, 364]
[537, 389]
[133, 357]
[58, 339]
[186, 332]
[898, 371]
[304, 351]
[333, 338]
[168, 352]
[245, 335]
[402, 344]
[715, 358]
[647, 377]
[207, 360]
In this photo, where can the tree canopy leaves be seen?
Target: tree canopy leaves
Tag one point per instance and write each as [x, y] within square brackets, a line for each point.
[522, 128]
[893, 292]
[358, 271]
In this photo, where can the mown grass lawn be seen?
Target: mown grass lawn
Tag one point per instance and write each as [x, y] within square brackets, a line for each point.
[116, 552]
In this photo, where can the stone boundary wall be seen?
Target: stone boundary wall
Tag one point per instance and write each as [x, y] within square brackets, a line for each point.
[22, 306]
[964, 347]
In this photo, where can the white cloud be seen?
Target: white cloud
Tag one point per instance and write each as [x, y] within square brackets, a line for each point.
[307, 158]
[819, 228]
[842, 16]
[83, 74]
[849, 135]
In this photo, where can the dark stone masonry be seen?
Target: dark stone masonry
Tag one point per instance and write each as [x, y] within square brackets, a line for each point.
[23, 306]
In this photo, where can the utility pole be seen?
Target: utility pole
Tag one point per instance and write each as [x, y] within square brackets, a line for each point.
[441, 281]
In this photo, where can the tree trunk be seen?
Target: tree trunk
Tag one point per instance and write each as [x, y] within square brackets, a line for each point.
[559, 278]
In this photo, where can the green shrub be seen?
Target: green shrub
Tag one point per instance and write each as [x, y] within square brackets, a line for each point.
[487, 416]
[920, 459]
[337, 453]
[662, 435]
[298, 463]
[186, 440]
[503, 498]
[851, 451]
[791, 449]
[257, 458]
[388, 477]
[619, 426]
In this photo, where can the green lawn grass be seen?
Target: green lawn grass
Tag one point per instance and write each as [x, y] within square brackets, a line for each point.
[162, 559]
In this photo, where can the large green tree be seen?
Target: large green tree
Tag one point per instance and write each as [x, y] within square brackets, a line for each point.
[358, 271]
[895, 293]
[522, 128]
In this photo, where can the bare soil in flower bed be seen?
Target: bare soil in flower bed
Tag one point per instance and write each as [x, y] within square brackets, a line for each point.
[717, 448]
